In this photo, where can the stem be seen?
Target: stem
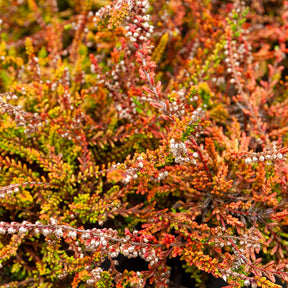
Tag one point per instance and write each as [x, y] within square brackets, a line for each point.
[243, 94]
[201, 157]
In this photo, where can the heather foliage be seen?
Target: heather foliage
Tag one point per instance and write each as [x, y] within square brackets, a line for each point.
[153, 129]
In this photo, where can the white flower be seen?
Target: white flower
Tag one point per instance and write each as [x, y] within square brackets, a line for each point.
[255, 159]
[267, 157]
[23, 230]
[131, 249]
[72, 234]
[59, 233]
[104, 243]
[248, 160]
[53, 221]
[36, 231]
[261, 158]
[11, 230]
[90, 281]
[85, 236]
[46, 231]
[127, 179]
[247, 282]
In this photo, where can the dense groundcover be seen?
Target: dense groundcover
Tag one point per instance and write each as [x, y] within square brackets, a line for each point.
[153, 133]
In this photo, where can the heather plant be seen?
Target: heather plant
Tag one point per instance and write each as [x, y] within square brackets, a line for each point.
[143, 129]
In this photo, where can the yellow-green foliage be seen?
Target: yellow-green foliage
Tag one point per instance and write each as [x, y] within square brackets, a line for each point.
[160, 48]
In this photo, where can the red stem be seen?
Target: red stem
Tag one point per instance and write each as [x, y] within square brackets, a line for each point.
[201, 156]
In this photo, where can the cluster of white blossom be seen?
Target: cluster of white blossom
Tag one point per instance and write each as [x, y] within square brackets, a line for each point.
[219, 81]
[14, 188]
[267, 156]
[96, 276]
[140, 29]
[67, 77]
[8, 190]
[177, 106]
[197, 114]
[35, 63]
[118, 68]
[195, 46]
[232, 61]
[12, 96]
[77, 26]
[22, 118]
[179, 150]
[235, 51]
[117, 5]
[162, 175]
[128, 112]
[244, 243]
[128, 251]
[130, 174]
[146, 98]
